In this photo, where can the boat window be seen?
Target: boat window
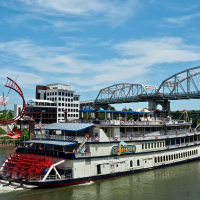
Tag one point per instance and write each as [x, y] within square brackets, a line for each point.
[191, 139]
[167, 142]
[148, 145]
[161, 144]
[166, 158]
[183, 154]
[190, 153]
[179, 155]
[142, 146]
[98, 169]
[163, 158]
[138, 162]
[174, 156]
[196, 151]
[158, 159]
[171, 157]
[155, 160]
[182, 140]
[131, 163]
[157, 144]
[152, 145]
[186, 153]
[145, 145]
[116, 165]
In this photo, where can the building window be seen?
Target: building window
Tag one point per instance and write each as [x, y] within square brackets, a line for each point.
[76, 110]
[68, 115]
[71, 100]
[72, 105]
[77, 106]
[59, 99]
[68, 104]
[62, 115]
[59, 93]
[55, 98]
[68, 94]
[59, 109]
[68, 99]
[58, 115]
[68, 110]
[52, 93]
[55, 93]
[62, 104]
[63, 99]
[76, 115]
[63, 94]
[59, 104]
[71, 94]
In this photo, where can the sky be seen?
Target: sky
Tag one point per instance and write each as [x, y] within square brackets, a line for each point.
[94, 44]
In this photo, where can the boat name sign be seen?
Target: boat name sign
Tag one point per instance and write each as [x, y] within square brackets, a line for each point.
[118, 150]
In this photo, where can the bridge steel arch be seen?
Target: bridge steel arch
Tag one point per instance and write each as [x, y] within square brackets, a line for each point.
[183, 85]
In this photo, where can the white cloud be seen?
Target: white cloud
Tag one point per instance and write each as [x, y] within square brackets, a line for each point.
[134, 59]
[182, 19]
[89, 11]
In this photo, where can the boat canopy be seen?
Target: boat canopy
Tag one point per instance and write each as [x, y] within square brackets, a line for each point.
[66, 127]
[51, 142]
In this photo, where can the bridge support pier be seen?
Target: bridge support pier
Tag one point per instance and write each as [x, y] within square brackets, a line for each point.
[164, 103]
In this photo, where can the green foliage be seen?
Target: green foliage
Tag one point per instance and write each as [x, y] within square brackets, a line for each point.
[2, 131]
[177, 111]
[26, 133]
[9, 115]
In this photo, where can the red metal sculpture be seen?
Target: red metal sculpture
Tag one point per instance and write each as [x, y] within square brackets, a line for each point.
[12, 85]
[15, 133]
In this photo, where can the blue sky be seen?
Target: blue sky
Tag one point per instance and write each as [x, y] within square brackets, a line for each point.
[94, 44]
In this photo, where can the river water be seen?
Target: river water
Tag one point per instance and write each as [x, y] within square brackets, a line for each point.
[175, 182]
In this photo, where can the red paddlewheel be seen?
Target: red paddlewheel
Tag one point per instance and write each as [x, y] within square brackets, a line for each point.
[22, 166]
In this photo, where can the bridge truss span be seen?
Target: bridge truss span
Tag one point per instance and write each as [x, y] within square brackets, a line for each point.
[124, 92]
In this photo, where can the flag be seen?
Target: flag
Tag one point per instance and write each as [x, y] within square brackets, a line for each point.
[40, 125]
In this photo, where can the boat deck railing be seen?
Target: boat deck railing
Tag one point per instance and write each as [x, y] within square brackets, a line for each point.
[49, 177]
[128, 136]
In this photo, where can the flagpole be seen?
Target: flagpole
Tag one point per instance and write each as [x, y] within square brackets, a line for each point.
[40, 129]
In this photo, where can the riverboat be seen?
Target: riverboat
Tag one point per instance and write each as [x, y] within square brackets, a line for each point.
[89, 150]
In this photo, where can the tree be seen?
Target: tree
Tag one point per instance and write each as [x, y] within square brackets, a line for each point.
[26, 133]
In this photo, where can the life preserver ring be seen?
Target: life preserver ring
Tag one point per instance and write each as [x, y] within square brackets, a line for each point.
[131, 138]
[122, 122]
[156, 136]
[162, 119]
[147, 122]
[167, 136]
